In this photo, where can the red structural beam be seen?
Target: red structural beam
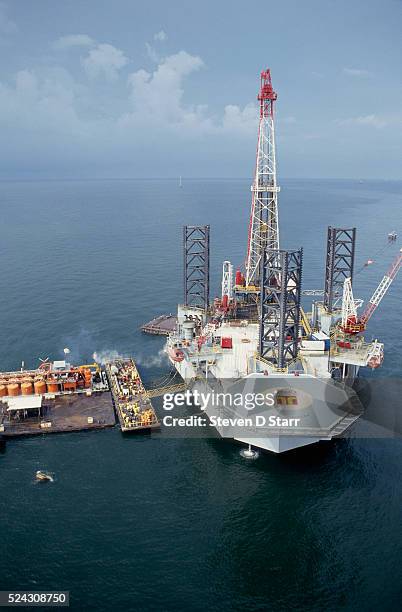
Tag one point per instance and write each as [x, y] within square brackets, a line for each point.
[267, 95]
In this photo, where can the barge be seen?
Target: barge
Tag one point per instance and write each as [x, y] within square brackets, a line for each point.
[54, 398]
[160, 326]
[131, 401]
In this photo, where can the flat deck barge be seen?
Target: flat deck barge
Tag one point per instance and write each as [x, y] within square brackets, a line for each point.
[56, 397]
[131, 401]
[60, 414]
[161, 326]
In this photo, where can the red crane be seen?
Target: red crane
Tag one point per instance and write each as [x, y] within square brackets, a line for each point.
[355, 325]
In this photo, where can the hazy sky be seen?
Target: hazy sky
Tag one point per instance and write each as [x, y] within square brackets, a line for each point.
[132, 88]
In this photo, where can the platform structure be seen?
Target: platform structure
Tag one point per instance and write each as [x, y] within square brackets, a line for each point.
[341, 246]
[196, 265]
[281, 273]
[60, 414]
[161, 326]
[132, 404]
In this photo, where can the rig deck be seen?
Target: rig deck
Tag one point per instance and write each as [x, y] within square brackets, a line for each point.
[62, 414]
[131, 401]
[160, 326]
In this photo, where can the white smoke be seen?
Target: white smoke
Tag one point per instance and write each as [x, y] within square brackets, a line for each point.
[149, 361]
[152, 361]
[106, 355]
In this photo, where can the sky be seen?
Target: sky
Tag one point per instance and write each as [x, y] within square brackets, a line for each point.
[137, 89]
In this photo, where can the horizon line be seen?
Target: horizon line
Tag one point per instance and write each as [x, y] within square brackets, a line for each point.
[190, 178]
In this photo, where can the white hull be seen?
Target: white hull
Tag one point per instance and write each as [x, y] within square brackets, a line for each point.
[327, 426]
[321, 382]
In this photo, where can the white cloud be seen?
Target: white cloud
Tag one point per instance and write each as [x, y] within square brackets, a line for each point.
[240, 120]
[7, 26]
[159, 94]
[358, 72]
[64, 122]
[42, 104]
[104, 60]
[50, 99]
[152, 54]
[157, 100]
[370, 120]
[161, 36]
[74, 40]
[288, 120]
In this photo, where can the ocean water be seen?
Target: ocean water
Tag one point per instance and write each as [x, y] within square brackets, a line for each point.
[149, 523]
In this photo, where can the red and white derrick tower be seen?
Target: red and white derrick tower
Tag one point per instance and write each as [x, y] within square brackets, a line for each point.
[264, 227]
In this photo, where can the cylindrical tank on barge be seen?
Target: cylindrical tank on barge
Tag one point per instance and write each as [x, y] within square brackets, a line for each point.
[13, 387]
[52, 386]
[39, 386]
[27, 387]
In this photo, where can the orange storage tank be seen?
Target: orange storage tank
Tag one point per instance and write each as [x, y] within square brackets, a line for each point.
[52, 386]
[27, 387]
[3, 390]
[40, 386]
[13, 388]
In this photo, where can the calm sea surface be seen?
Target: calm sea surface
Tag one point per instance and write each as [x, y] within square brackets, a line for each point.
[135, 523]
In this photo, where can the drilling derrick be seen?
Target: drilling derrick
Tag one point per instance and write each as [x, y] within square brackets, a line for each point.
[263, 229]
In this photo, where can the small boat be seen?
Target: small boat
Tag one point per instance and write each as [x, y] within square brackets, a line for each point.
[43, 476]
[392, 236]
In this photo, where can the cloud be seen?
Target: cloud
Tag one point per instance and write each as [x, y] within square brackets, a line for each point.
[240, 120]
[370, 120]
[152, 54]
[288, 120]
[104, 60]
[159, 94]
[157, 100]
[40, 108]
[52, 120]
[7, 26]
[358, 72]
[161, 36]
[74, 40]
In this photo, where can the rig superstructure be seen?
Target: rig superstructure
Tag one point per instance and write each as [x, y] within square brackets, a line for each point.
[258, 328]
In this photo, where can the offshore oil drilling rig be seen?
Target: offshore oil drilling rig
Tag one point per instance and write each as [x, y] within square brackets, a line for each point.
[257, 326]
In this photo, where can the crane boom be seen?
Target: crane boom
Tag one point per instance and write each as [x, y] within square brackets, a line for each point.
[382, 289]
